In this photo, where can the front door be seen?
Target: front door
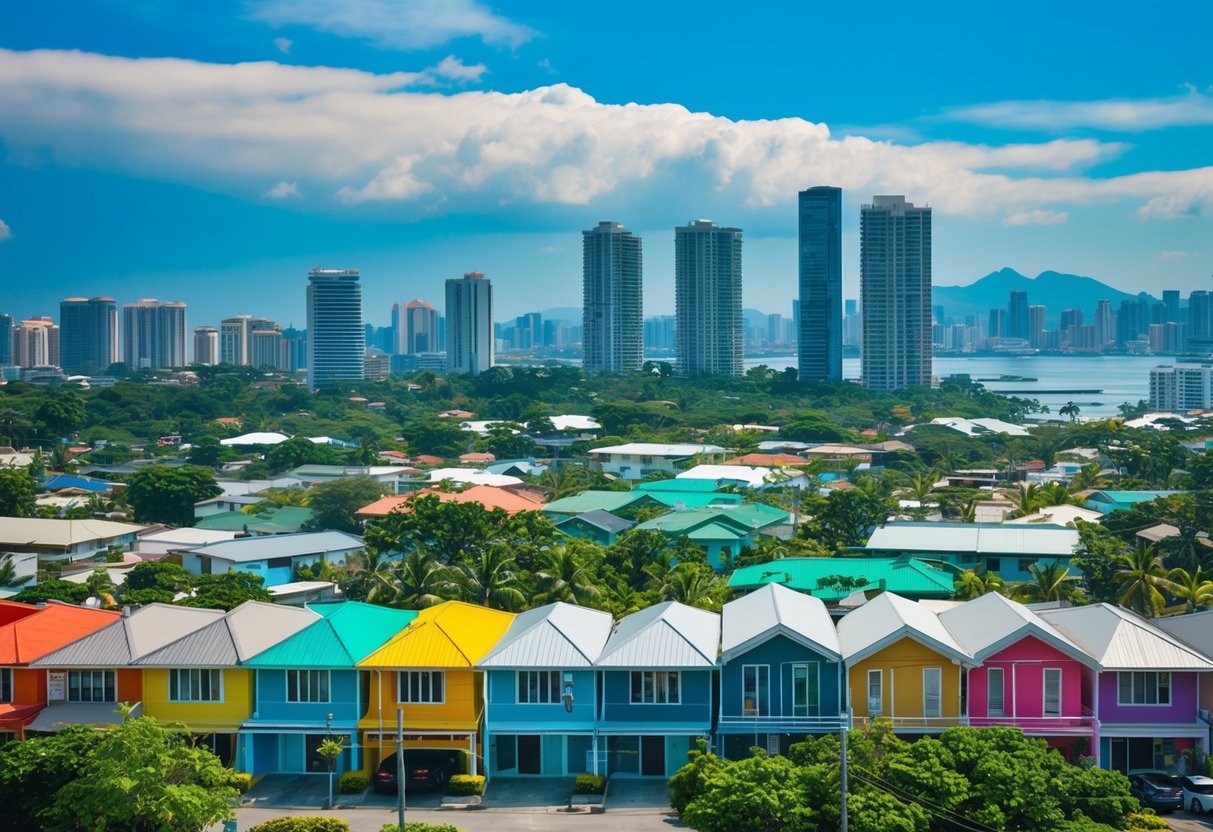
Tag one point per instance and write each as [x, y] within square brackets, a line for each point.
[529, 754]
[652, 756]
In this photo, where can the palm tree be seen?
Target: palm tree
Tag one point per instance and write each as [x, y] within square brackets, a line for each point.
[8, 572]
[419, 581]
[1054, 494]
[1052, 582]
[564, 578]
[375, 569]
[564, 481]
[690, 584]
[1026, 499]
[293, 496]
[971, 584]
[1193, 588]
[1088, 477]
[491, 579]
[1071, 410]
[1140, 575]
[921, 486]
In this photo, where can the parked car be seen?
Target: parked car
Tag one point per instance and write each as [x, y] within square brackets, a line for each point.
[1159, 792]
[1197, 793]
[424, 768]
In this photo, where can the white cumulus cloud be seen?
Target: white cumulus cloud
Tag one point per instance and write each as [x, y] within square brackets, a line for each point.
[5, 231]
[1037, 217]
[1127, 115]
[283, 190]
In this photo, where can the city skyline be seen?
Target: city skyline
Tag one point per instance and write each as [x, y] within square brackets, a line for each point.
[1049, 167]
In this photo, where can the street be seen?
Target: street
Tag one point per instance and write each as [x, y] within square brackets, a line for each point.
[487, 820]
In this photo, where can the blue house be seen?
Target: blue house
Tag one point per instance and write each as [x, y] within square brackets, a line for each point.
[541, 692]
[272, 556]
[781, 676]
[657, 674]
[307, 689]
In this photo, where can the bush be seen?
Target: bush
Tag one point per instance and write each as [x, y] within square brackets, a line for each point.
[414, 826]
[589, 784]
[241, 781]
[353, 782]
[689, 781]
[1144, 820]
[303, 824]
[465, 784]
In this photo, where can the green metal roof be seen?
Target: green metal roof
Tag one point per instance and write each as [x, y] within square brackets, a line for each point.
[348, 633]
[281, 520]
[715, 531]
[909, 577]
[1128, 497]
[592, 501]
[695, 499]
[689, 485]
[744, 518]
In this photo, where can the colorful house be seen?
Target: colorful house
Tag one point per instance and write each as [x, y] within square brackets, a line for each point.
[1147, 694]
[723, 531]
[781, 673]
[907, 577]
[902, 665]
[1031, 676]
[1009, 551]
[657, 675]
[274, 557]
[27, 633]
[307, 688]
[602, 527]
[542, 692]
[428, 672]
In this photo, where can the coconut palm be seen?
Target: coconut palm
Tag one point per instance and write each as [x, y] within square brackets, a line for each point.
[1140, 575]
[971, 584]
[419, 581]
[690, 584]
[490, 579]
[375, 570]
[1088, 477]
[8, 572]
[1071, 410]
[1026, 499]
[292, 496]
[1052, 582]
[1193, 588]
[564, 577]
[921, 486]
[1054, 494]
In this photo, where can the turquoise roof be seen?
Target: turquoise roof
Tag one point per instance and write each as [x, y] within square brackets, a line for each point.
[689, 485]
[282, 520]
[695, 499]
[745, 518]
[1128, 497]
[348, 632]
[592, 501]
[909, 577]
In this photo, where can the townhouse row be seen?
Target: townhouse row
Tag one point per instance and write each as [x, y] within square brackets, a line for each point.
[562, 689]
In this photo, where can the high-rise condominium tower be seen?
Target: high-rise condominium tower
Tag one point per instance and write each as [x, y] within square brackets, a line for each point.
[336, 341]
[469, 323]
[206, 345]
[612, 330]
[895, 293]
[415, 327]
[235, 340]
[6, 339]
[88, 341]
[35, 343]
[153, 334]
[707, 299]
[820, 334]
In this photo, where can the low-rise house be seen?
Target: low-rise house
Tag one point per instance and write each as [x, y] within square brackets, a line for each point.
[463, 476]
[1063, 515]
[64, 540]
[615, 502]
[768, 460]
[834, 579]
[492, 497]
[157, 544]
[636, 460]
[743, 476]
[225, 503]
[275, 520]
[273, 557]
[391, 476]
[1107, 501]
[602, 527]
[980, 427]
[723, 531]
[1002, 549]
[688, 493]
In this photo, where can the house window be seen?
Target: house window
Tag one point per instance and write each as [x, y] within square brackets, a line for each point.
[538, 687]
[932, 692]
[875, 692]
[993, 565]
[307, 686]
[6, 684]
[806, 689]
[195, 685]
[1052, 691]
[756, 690]
[1143, 688]
[1026, 564]
[995, 692]
[655, 687]
[279, 563]
[91, 686]
[422, 687]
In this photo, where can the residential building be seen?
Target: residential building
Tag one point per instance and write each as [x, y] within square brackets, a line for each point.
[819, 335]
[88, 339]
[1181, 387]
[153, 335]
[35, 343]
[1009, 551]
[206, 345]
[895, 293]
[64, 540]
[469, 324]
[722, 531]
[835, 579]
[1108, 500]
[1018, 325]
[612, 331]
[636, 460]
[335, 338]
[235, 340]
[415, 327]
[274, 557]
[707, 299]
[1105, 329]
[1036, 326]
[602, 527]
[265, 345]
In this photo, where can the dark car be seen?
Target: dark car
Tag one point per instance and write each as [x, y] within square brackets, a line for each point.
[424, 768]
[1159, 792]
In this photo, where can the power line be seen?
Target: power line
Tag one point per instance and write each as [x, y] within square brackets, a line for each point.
[943, 812]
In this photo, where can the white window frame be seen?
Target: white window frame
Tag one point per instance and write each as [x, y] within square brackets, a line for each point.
[80, 674]
[757, 671]
[1001, 687]
[879, 698]
[175, 676]
[655, 687]
[424, 681]
[1044, 701]
[6, 684]
[538, 687]
[937, 672]
[308, 687]
[1144, 677]
[812, 671]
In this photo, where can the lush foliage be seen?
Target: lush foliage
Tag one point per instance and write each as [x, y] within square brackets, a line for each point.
[17, 493]
[333, 503]
[160, 494]
[353, 782]
[303, 824]
[465, 784]
[241, 781]
[416, 826]
[589, 784]
[33, 772]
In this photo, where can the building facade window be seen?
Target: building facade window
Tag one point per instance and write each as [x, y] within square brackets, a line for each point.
[875, 692]
[1052, 699]
[756, 689]
[307, 686]
[91, 686]
[932, 692]
[806, 689]
[6, 684]
[195, 685]
[422, 687]
[655, 687]
[995, 692]
[1143, 688]
[538, 687]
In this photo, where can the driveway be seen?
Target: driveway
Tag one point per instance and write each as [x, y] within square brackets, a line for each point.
[522, 793]
[309, 791]
[1188, 822]
[372, 820]
[627, 795]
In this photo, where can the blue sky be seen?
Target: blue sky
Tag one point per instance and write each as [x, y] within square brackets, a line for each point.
[213, 152]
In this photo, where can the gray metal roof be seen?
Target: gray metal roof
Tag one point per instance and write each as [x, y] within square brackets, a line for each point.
[604, 520]
[774, 610]
[669, 635]
[264, 547]
[993, 622]
[981, 538]
[60, 715]
[242, 633]
[888, 618]
[1195, 629]
[131, 637]
[556, 635]
[1121, 640]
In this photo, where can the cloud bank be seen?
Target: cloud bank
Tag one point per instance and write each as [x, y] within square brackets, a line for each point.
[1118, 115]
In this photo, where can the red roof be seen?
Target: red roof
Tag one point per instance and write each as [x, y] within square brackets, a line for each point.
[427, 459]
[489, 496]
[13, 717]
[764, 460]
[46, 629]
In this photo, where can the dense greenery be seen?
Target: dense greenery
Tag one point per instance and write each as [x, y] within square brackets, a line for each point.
[160, 494]
[155, 582]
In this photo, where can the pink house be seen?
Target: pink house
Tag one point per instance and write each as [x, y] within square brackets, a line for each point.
[1031, 676]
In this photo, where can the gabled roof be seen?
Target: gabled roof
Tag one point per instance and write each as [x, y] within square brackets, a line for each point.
[245, 549]
[773, 611]
[986, 625]
[1128, 497]
[347, 632]
[131, 637]
[888, 618]
[1195, 628]
[1121, 640]
[600, 520]
[744, 518]
[452, 634]
[655, 449]
[243, 632]
[489, 496]
[280, 520]
[982, 538]
[666, 635]
[767, 460]
[558, 635]
[593, 501]
[30, 632]
[42, 531]
[675, 484]
[901, 575]
[750, 477]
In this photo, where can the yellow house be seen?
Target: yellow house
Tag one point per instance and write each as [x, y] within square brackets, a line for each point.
[428, 671]
[902, 665]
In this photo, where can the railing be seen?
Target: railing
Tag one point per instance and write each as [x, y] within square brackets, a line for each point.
[778, 723]
[1032, 724]
[934, 723]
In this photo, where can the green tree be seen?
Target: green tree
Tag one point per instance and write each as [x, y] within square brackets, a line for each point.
[53, 590]
[419, 581]
[17, 493]
[971, 584]
[564, 576]
[205, 452]
[845, 518]
[33, 771]
[438, 437]
[227, 591]
[1193, 588]
[160, 494]
[158, 574]
[334, 503]
[491, 580]
[1071, 410]
[1051, 582]
[762, 794]
[1097, 555]
[60, 414]
[1141, 574]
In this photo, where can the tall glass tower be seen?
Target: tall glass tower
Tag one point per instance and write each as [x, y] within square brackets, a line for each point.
[707, 299]
[88, 335]
[336, 342]
[612, 313]
[469, 324]
[820, 330]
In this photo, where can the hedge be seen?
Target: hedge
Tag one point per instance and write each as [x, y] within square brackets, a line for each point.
[353, 782]
[413, 826]
[241, 781]
[302, 824]
[465, 784]
[1145, 819]
[589, 784]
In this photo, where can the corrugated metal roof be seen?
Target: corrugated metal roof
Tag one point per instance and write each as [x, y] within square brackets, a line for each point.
[348, 632]
[655, 449]
[1195, 628]
[43, 629]
[1121, 640]
[131, 637]
[556, 635]
[602, 520]
[246, 549]
[888, 618]
[241, 633]
[58, 716]
[978, 538]
[665, 635]
[592, 501]
[776, 610]
[42, 531]
[905, 576]
[993, 622]
[451, 634]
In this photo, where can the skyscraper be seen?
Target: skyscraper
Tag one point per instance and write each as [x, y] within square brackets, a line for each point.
[235, 340]
[819, 338]
[153, 334]
[1200, 323]
[6, 339]
[35, 343]
[88, 335]
[707, 299]
[895, 293]
[206, 345]
[419, 328]
[335, 339]
[1170, 299]
[612, 329]
[469, 323]
[265, 345]
[1105, 328]
[1017, 315]
[1036, 326]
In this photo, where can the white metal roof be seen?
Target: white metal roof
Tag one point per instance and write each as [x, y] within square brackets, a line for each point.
[471, 476]
[979, 538]
[666, 635]
[993, 622]
[888, 618]
[186, 536]
[131, 637]
[571, 421]
[243, 632]
[972, 427]
[1057, 515]
[1121, 640]
[753, 477]
[42, 531]
[264, 547]
[655, 449]
[256, 438]
[558, 635]
[775, 610]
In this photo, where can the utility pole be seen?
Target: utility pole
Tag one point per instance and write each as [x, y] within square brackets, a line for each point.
[842, 826]
[400, 766]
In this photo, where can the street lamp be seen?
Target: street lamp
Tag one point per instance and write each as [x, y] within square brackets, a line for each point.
[328, 727]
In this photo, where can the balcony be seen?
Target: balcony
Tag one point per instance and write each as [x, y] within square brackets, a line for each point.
[749, 722]
[911, 723]
[1081, 724]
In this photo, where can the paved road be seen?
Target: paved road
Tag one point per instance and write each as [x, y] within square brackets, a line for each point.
[1187, 822]
[488, 820]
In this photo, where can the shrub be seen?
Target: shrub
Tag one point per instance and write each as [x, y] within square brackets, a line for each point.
[414, 826]
[465, 784]
[589, 784]
[241, 781]
[353, 782]
[303, 824]
[689, 781]
[1144, 820]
